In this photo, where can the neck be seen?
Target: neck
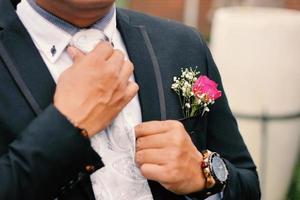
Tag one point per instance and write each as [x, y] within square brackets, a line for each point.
[79, 16]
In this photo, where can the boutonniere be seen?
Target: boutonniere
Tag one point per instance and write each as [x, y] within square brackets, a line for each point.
[196, 92]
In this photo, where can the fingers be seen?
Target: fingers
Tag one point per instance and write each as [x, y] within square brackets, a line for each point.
[152, 142]
[117, 60]
[126, 71]
[103, 51]
[151, 128]
[151, 156]
[154, 172]
[75, 53]
[130, 92]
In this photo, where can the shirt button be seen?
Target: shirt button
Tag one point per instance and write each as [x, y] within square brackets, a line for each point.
[90, 168]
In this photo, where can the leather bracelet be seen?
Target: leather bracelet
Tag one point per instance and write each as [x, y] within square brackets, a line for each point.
[210, 182]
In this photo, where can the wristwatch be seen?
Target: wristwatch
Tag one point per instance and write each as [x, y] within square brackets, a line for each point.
[215, 172]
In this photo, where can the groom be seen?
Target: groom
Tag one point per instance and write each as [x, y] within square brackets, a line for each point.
[57, 95]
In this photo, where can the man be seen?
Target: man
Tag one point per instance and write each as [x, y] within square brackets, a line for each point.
[60, 101]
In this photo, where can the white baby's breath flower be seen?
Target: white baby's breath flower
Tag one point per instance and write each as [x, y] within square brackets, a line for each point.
[174, 86]
[186, 84]
[206, 109]
[188, 105]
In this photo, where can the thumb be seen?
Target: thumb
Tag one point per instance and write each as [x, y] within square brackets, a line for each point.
[75, 53]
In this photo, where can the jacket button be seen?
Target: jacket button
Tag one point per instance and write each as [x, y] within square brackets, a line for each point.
[90, 168]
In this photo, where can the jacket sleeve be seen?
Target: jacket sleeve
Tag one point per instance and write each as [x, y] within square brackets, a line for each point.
[224, 137]
[48, 155]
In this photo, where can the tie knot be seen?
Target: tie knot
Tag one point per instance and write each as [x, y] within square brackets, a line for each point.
[86, 40]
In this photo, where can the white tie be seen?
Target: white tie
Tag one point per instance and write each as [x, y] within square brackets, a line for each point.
[120, 179]
[86, 40]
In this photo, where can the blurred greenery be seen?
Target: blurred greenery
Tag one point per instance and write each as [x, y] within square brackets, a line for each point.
[122, 3]
[294, 193]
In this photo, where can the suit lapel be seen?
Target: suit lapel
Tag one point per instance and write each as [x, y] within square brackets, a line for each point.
[147, 73]
[24, 61]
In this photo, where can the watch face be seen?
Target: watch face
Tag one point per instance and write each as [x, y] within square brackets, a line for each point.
[219, 168]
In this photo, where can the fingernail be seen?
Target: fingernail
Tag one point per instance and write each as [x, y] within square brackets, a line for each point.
[72, 51]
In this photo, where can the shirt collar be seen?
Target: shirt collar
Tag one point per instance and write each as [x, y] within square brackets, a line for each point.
[51, 34]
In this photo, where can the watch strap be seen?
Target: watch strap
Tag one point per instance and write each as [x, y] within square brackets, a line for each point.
[218, 188]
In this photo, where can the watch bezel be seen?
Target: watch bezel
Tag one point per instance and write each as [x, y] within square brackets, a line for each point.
[212, 171]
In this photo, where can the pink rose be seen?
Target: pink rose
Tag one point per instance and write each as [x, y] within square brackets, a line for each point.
[204, 85]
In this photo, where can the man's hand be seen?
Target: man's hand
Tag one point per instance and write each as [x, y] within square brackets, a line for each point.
[95, 88]
[166, 154]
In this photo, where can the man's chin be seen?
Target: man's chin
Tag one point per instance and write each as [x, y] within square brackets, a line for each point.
[90, 4]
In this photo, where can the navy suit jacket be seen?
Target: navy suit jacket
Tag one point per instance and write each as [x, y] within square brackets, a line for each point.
[43, 156]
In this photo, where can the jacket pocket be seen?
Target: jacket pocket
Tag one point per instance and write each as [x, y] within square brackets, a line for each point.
[197, 129]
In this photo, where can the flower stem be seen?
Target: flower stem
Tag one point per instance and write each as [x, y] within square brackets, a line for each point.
[182, 106]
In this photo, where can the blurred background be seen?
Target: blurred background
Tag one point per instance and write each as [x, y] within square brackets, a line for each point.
[256, 45]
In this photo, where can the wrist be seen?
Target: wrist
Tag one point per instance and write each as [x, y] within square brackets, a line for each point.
[81, 129]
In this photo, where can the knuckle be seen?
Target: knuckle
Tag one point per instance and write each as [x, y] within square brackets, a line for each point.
[139, 157]
[177, 124]
[103, 47]
[174, 124]
[129, 64]
[168, 122]
[175, 155]
[105, 44]
[104, 100]
[136, 87]
[139, 143]
[176, 140]
[143, 170]
[114, 74]
[138, 128]
[132, 89]
[119, 54]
